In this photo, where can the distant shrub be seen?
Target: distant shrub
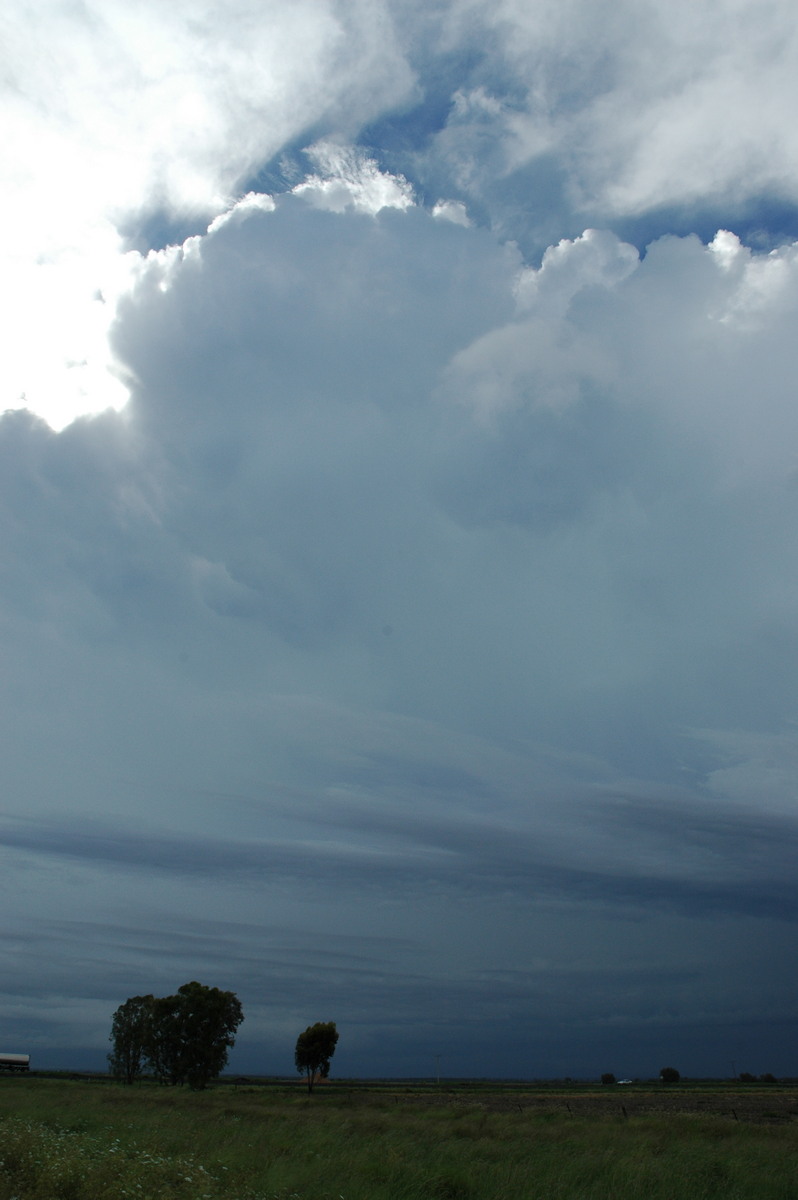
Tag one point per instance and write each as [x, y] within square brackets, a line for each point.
[669, 1075]
[608, 1077]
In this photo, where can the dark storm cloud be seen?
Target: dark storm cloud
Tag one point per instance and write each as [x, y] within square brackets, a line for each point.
[114, 957]
[283, 964]
[629, 851]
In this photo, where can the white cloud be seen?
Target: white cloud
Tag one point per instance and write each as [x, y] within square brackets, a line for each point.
[174, 107]
[251, 203]
[594, 259]
[348, 178]
[541, 359]
[111, 112]
[642, 105]
[116, 116]
[451, 210]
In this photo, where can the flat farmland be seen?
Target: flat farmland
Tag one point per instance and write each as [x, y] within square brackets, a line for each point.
[81, 1139]
[768, 1105]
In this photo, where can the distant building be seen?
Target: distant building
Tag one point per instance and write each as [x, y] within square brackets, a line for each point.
[14, 1062]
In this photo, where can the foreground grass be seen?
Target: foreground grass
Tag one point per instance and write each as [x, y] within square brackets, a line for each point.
[65, 1140]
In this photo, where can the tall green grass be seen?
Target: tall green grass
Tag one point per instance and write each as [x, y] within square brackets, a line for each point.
[63, 1140]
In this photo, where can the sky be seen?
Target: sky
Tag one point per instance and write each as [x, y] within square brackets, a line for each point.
[398, 503]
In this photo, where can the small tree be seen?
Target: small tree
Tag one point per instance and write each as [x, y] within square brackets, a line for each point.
[130, 1035]
[669, 1075]
[608, 1077]
[314, 1049]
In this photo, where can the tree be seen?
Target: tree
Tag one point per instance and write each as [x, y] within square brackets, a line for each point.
[206, 1022]
[608, 1077]
[185, 1038]
[669, 1075]
[130, 1034]
[165, 1042]
[314, 1049]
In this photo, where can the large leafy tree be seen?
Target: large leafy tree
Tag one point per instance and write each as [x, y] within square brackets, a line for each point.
[314, 1049]
[130, 1036]
[185, 1038]
[206, 1021]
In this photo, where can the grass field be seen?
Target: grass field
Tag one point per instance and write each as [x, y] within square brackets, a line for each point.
[77, 1140]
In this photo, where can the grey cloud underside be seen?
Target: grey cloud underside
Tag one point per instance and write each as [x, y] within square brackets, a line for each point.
[698, 862]
[373, 978]
[267, 958]
[386, 1003]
